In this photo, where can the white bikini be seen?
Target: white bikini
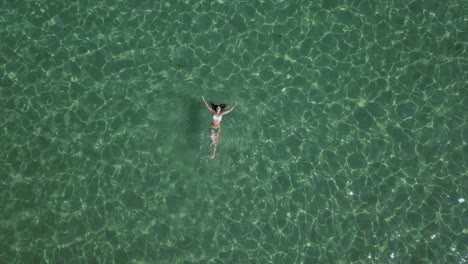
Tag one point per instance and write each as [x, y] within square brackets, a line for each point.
[218, 118]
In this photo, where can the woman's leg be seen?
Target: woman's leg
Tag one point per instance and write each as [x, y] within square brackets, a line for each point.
[212, 139]
[215, 143]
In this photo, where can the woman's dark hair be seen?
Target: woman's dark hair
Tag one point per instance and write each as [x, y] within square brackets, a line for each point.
[214, 106]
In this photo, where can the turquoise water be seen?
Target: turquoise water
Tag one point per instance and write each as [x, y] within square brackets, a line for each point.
[349, 143]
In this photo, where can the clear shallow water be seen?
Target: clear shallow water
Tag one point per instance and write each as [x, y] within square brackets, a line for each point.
[349, 144]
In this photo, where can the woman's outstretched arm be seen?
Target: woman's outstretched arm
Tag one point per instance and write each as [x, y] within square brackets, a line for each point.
[232, 108]
[208, 106]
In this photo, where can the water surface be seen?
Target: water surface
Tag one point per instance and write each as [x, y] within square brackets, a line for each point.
[349, 143]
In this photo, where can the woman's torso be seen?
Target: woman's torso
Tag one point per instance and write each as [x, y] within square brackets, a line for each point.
[216, 121]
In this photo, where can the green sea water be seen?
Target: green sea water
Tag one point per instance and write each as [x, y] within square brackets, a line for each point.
[349, 143]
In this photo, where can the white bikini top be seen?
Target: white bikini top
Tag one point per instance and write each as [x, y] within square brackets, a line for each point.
[217, 117]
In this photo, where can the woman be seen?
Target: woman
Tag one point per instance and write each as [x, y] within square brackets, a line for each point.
[215, 128]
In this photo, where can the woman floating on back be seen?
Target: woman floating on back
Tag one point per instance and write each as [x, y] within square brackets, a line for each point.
[215, 128]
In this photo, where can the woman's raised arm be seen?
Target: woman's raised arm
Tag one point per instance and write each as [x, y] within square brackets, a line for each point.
[207, 106]
[232, 108]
